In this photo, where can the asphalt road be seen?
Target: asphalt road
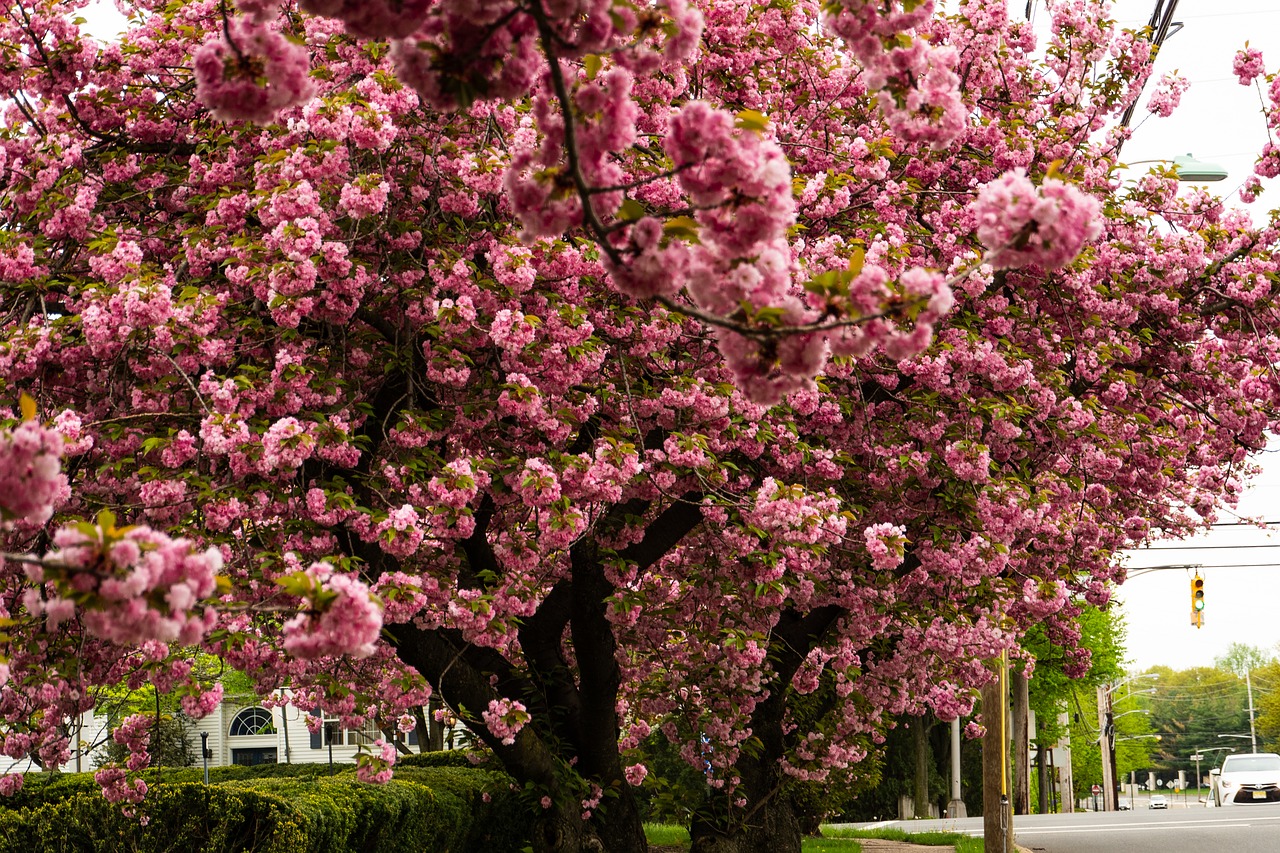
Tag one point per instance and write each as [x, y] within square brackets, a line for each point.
[1244, 829]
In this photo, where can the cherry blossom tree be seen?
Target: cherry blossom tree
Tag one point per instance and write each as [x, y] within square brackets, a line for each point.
[599, 368]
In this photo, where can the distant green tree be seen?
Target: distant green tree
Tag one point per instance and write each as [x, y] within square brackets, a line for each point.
[1191, 707]
[1266, 700]
[1053, 691]
[1241, 658]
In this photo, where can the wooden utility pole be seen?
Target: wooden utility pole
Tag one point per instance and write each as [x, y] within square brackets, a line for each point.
[997, 827]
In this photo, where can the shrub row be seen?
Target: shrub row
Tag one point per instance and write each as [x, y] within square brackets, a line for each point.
[41, 788]
[424, 808]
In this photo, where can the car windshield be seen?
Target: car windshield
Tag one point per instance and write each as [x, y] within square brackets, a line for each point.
[1251, 763]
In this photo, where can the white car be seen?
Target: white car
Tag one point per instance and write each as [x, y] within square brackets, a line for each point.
[1158, 802]
[1253, 777]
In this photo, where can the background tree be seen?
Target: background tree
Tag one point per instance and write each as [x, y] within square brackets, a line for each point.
[1241, 658]
[1190, 708]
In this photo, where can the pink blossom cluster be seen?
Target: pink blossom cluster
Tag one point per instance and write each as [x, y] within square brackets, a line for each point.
[1168, 94]
[342, 618]
[886, 544]
[10, 784]
[373, 19]
[504, 718]
[375, 766]
[970, 461]
[467, 50]
[919, 91]
[537, 485]
[1247, 65]
[199, 703]
[135, 735]
[794, 514]
[117, 787]
[31, 478]
[286, 444]
[251, 72]
[1021, 224]
[132, 585]
[364, 197]
[538, 186]
[868, 293]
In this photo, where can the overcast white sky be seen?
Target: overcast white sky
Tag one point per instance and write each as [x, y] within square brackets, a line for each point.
[1219, 121]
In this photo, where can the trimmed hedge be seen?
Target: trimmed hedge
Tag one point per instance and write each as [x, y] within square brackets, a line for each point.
[42, 788]
[502, 824]
[183, 817]
[423, 808]
[448, 758]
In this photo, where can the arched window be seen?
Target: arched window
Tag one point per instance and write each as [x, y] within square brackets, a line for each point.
[252, 721]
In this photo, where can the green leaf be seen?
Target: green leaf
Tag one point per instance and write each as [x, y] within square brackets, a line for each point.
[298, 583]
[27, 405]
[593, 64]
[631, 210]
[107, 521]
[856, 260]
[752, 120]
[681, 228]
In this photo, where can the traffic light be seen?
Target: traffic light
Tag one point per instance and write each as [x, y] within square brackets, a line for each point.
[1197, 600]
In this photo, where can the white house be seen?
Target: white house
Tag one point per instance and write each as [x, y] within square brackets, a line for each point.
[241, 734]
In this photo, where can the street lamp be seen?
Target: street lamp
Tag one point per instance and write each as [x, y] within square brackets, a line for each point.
[1253, 742]
[1189, 170]
[1135, 710]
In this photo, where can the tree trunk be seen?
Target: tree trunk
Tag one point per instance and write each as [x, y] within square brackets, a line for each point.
[773, 827]
[768, 823]
[920, 790]
[434, 728]
[460, 672]
[1020, 685]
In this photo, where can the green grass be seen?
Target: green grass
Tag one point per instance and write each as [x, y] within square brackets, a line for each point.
[666, 834]
[835, 840]
[936, 839]
[830, 845]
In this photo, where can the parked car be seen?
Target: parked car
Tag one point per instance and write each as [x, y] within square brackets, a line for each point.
[1125, 805]
[1253, 777]
[1158, 802]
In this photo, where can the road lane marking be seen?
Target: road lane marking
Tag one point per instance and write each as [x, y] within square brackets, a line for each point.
[1222, 821]
[1146, 828]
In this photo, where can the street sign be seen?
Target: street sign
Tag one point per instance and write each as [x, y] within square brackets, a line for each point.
[1097, 789]
[1197, 757]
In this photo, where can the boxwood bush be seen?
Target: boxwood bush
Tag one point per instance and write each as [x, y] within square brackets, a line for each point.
[453, 809]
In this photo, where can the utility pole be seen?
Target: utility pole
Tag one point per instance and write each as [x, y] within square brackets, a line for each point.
[1106, 747]
[955, 808]
[997, 827]
[1253, 732]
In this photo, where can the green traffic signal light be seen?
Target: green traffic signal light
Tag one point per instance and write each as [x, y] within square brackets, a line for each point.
[1197, 593]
